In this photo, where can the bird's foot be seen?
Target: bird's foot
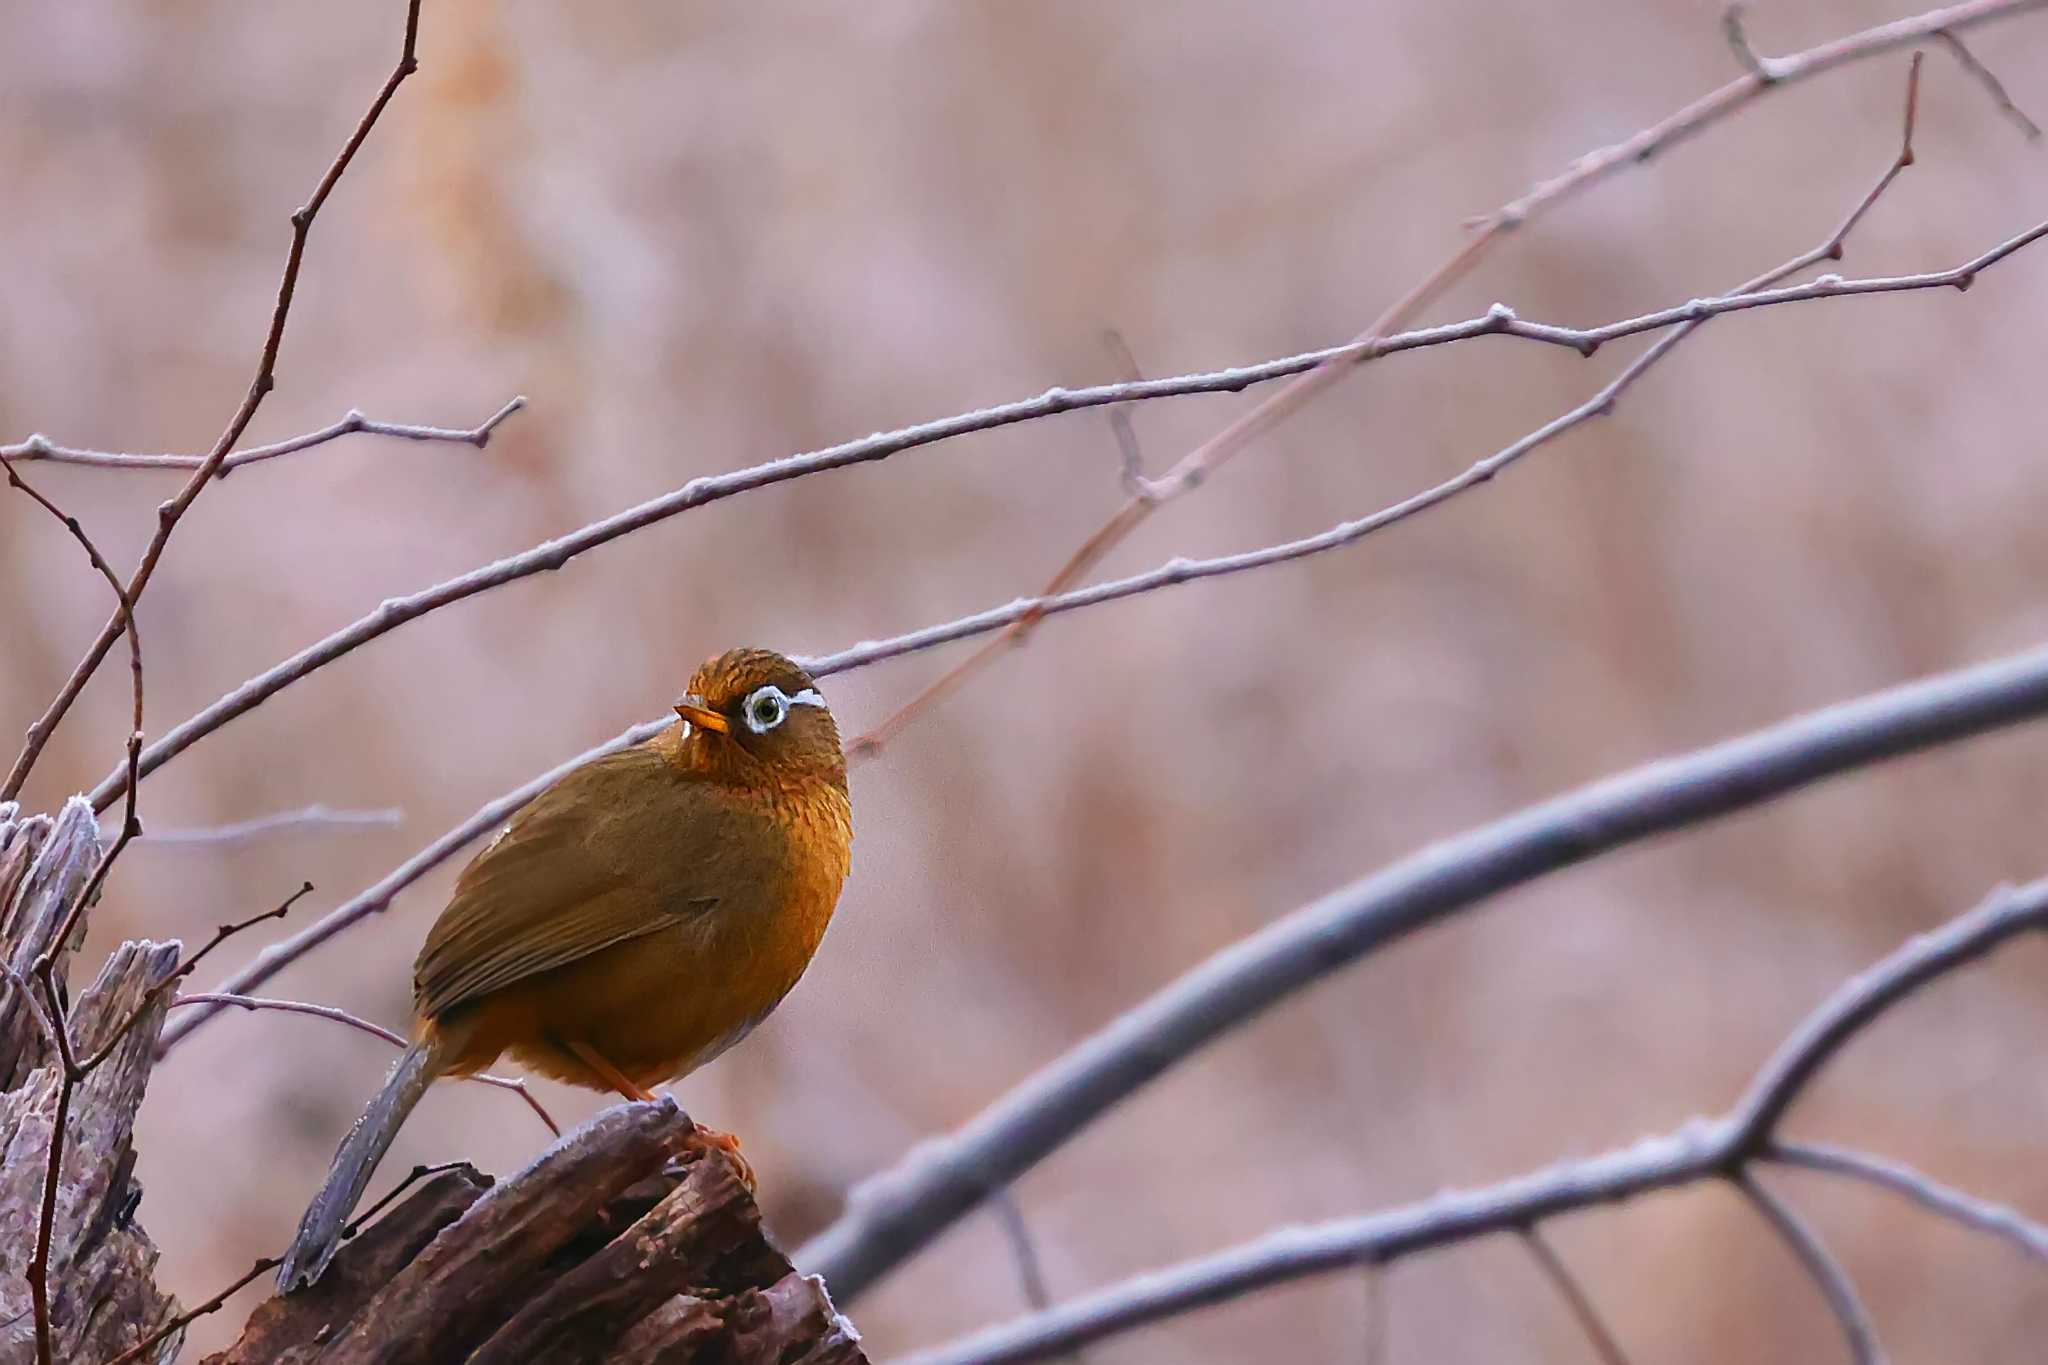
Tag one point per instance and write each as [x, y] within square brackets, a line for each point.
[709, 1140]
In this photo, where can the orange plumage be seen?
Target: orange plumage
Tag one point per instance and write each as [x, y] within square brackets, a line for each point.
[635, 920]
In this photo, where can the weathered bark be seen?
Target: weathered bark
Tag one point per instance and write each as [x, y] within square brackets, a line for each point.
[621, 1243]
[103, 1296]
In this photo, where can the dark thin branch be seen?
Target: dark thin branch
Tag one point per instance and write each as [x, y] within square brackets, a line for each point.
[43, 970]
[352, 423]
[169, 514]
[1967, 1210]
[1575, 1297]
[894, 1214]
[1700, 1150]
[221, 935]
[1992, 85]
[68, 1077]
[1821, 1266]
[217, 1000]
[192, 1315]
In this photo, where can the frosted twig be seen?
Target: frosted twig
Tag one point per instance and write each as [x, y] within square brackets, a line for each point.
[40, 447]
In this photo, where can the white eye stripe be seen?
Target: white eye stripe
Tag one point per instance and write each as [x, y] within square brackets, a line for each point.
[767, 707]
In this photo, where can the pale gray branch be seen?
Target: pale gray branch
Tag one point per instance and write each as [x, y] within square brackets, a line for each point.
[1575, 1297]
[40, 447]
[1700, 1150]
[1821, 1266]
[894, 1214]
[1980, 1215]
[315, 816]
[214, 1000]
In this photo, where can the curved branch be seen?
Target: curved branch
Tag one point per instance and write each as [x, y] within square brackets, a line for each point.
[214, 1000]
[1967, 1210]
[1821, 1267]
[1700, 1150]
[898, 1212]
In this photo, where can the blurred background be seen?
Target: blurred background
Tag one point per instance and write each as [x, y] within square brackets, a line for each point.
[701, 236]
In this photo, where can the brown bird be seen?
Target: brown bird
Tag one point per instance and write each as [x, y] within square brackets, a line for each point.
[636, 920]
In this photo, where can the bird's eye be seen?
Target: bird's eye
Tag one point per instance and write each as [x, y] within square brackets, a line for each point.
[766, 708]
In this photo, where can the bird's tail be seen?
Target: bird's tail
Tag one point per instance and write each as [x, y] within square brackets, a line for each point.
[320, 1230]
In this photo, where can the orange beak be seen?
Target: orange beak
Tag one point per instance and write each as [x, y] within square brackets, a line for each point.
[693, 710]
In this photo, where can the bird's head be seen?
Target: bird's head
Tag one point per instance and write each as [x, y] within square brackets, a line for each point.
[755, 704]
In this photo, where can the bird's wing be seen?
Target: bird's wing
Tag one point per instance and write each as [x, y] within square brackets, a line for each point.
[607, 854]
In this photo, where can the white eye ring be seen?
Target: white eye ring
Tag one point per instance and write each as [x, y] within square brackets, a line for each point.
[767, 707]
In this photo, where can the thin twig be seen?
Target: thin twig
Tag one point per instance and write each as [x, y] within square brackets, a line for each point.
[1023, 1250]
[1821, 1266]
[1765, 69]
[221, 934]
[169, 514]
[1201, 462]
[244, 831]
[1699, 1150]
[225, 999]
[1574, 1295]
[353, 422]
[43, 970]
[391, 1196]
[1992, 85]
[1967, 1210]
[192, 1315]
[68, 1077]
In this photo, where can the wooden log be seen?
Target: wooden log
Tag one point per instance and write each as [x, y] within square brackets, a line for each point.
[103, 1296]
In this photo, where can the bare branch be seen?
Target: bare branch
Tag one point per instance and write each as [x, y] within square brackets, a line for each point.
[191, 1315]
[894, 1214]
[1766, 70]
[40, 447]
[1023, 1250]
[1498, 321]
[1821, 1266]
[184, 969]
[214, 1000]
[1699, 1150]
[169, 513]
[1979, 1215]
[1785, 1077]
[1574, 1295]
[1992, 85]
[315, 816]
[1200, 463]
